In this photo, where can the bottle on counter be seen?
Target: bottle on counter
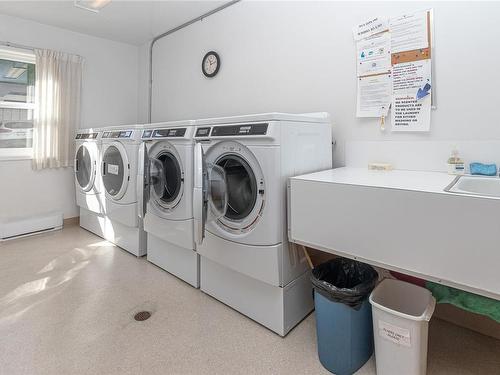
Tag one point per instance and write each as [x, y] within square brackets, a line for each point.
[455, 164]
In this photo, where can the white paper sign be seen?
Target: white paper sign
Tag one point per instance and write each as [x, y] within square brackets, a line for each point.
[113, 168]
[398, 335]
[412, 76]
[410, 114]
[374, 95]
[409, 32]
[370, 27]
[374, 54]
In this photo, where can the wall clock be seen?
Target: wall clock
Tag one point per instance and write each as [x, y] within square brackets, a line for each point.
[210, 64]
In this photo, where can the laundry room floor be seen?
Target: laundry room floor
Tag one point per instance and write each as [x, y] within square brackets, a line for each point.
[67, 301]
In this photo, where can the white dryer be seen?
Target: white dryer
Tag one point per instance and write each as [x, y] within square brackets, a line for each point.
[239, 202]
[88, 183]
[169, 214]
[122, 179]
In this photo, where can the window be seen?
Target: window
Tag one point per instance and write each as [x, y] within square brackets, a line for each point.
[17, 92]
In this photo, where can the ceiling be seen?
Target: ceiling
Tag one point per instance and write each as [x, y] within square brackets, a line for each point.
[134, 22]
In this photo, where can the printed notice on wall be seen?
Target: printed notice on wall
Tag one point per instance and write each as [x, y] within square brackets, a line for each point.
[412, 76]
[374, 95]
[411, 114]
[370, 27]
[409, 32]
[113, 168]
[398, 335]
[411, 96]
[394, 69]
[374, 54]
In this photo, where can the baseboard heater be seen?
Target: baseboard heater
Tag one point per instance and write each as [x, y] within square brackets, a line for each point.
[16, 227]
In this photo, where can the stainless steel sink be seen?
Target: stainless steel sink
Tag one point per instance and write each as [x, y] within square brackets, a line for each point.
[475, 185]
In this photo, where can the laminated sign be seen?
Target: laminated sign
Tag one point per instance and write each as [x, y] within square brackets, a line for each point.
[397, 335]
[410, 113]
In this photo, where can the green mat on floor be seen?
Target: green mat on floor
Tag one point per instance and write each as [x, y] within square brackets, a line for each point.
[468, 301]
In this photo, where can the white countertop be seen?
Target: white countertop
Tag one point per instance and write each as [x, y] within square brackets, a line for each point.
[433, 182]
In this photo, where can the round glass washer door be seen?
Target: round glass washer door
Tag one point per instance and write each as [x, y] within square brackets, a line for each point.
[166, 179]
[241, 186]
[115, 171]
[85, 167]
[244, 186]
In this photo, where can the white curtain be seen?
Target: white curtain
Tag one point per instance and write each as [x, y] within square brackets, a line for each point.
[58, 83]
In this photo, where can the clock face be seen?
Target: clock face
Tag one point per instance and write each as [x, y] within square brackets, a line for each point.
[210, 64]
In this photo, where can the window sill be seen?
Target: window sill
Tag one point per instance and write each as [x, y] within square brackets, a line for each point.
[16, 154]
[14, 158]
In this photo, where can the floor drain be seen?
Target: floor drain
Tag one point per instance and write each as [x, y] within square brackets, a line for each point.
[142, 315]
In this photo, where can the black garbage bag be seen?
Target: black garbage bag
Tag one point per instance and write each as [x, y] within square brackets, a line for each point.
[345, 281]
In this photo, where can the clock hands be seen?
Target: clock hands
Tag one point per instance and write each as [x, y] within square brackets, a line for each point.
[210, 64]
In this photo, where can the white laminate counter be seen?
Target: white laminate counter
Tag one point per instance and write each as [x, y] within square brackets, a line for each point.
[430, 182]
[402, 221]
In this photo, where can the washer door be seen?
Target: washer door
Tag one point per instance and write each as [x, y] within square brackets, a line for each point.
[244, 185]
[85, 167]
[166, 179]
[115, 170]
[241, 186]
[209, 191]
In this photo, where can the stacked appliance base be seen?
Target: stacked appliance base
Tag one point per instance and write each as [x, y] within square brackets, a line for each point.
[277, 308]
[180, 262]
[128, 238]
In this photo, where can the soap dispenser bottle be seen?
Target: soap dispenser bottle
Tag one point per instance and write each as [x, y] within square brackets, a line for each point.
[455, 164]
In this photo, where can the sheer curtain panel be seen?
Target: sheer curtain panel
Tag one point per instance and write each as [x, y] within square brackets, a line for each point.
[58, 85]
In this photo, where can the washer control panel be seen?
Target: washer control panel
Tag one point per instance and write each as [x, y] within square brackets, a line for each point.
[203, 132]
[163, 133]
[86, 136]
[118, 134]
[146, 134]
[233, 130]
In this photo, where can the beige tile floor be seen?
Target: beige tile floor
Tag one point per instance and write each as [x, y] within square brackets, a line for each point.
[66, 304]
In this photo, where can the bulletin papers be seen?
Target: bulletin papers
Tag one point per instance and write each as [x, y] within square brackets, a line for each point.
[394, 69]
[374, 75]
[411, 91]
[411, 96]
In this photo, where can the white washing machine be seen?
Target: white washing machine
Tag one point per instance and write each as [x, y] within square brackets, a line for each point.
[122, 180]
[168, 219]
[239, 204]
[88, 183]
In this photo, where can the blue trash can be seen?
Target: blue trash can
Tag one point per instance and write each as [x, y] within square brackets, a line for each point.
[344, 323]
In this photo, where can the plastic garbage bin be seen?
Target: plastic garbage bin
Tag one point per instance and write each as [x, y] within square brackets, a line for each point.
[401, 314]
[343, 314]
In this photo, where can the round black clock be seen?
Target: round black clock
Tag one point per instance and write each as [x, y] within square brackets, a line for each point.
[210, 64]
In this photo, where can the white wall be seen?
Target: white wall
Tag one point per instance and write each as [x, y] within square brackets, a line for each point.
[109, 96]
[143, 84]
[300, 57]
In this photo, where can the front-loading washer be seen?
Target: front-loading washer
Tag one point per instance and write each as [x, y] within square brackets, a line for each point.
[122, 180]
[168, 220]
[88, 183]
[239, 202]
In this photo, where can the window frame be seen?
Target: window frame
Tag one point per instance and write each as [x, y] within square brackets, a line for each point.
[25, 56]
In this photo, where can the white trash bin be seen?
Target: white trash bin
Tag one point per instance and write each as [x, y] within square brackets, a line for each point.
[401, 314]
